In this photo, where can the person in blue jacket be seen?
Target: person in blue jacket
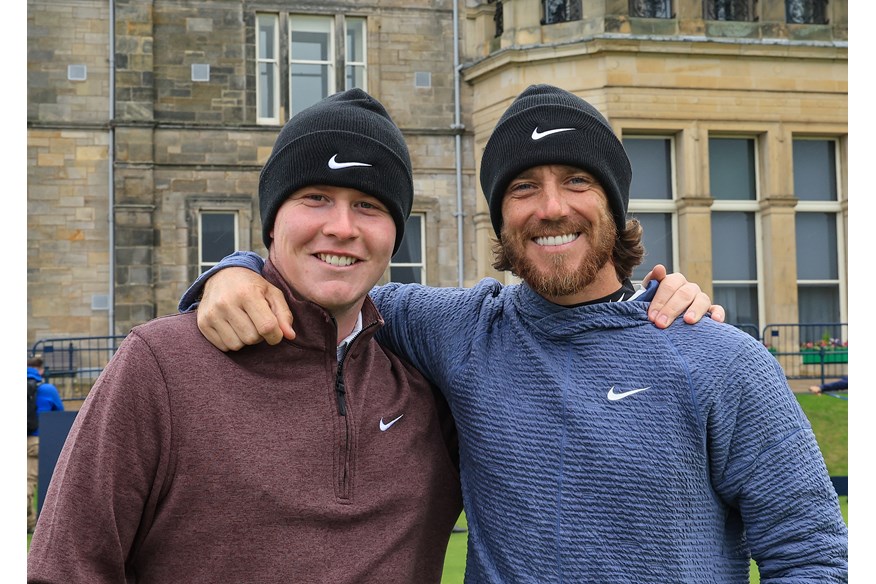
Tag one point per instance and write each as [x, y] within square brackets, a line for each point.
[841, 384]
[594, 446]
[47, 400]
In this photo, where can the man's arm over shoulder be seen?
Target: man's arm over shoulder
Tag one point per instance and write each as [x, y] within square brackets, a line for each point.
[239, 259]
[237, 306]
[108, 477]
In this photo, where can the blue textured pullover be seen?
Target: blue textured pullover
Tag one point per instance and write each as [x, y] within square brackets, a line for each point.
[595, 447]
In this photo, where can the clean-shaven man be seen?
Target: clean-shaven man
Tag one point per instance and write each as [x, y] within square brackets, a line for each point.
[325, 459]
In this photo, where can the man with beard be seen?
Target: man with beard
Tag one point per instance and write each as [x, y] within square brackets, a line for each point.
[594, 446]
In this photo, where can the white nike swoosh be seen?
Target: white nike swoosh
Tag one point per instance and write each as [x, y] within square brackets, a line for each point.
[335, 165]
[385, 427]
[536, 135]
[612, 396]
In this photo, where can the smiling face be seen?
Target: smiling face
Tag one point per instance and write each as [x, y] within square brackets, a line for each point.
[332, 245]
[558, 234]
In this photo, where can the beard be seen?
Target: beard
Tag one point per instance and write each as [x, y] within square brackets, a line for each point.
[562, 277]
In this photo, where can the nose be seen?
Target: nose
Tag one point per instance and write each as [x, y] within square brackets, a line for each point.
[553, 203]
[341, 222]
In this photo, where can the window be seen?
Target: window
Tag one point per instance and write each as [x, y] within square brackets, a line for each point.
[561, 11]
[355, 47]
[652, 199]
[498, 18]
[317, 63]
[312, 53]
[311, 60]
[806, 11]
[217, 237]
[268, 87]
[733, 183]
[729, 10]
[818, 231]
[408, 265]
[651, 8]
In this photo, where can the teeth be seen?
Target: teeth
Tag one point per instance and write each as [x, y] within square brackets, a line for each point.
[337, 260]
[556, 239]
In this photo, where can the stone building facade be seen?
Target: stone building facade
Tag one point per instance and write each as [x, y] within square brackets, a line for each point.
[143, 160]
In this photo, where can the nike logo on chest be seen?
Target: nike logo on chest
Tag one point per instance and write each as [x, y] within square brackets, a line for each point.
[619, 395]
[384, 426]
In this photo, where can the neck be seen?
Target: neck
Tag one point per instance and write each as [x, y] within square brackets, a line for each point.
[605, 283]
[346, 320]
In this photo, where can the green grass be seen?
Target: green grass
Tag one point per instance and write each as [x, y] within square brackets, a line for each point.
[829, 419]
[454, 561]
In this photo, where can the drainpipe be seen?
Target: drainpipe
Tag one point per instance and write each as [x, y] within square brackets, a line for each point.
[111, 190]
[458, 128]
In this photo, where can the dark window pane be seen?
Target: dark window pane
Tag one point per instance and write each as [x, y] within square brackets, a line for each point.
[309, 46]
[651, 8]
[267, 107]
[266, 38]
[410, 250]
[818, 304]
[217, 236]
[814, 170]
[355, 77]
[561, 11]
[739, 302]
[728, 10]
[651, 160]
[816, 246]
[733, 246]
[310, 84]
[806, 11]
[355, 40]
[731, 169]
[406, 274]
[657, 237]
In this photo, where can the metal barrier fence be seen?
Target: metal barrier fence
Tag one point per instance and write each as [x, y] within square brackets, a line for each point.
[805, 351]
[73, 364]
[809, 351]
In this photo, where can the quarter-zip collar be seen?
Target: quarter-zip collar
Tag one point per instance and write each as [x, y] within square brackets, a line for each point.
[314, 326]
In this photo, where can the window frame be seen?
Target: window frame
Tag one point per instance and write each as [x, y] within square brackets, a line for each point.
[834, 208]
[274, 64]
[349, 62]
[331, 62]
[820, 14]
[667, 6]
[422, 263]
[203, 265]
[338, 26]
[744, 206]
[709, 12]
[574, 11]
[643, 205]
[241, 206]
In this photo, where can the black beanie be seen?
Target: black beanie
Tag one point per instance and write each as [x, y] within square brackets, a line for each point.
[549, 125]
[345, 140]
